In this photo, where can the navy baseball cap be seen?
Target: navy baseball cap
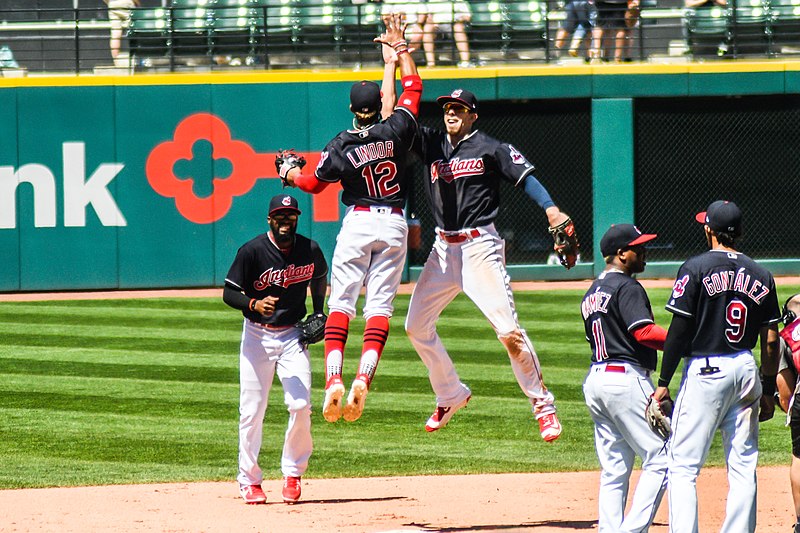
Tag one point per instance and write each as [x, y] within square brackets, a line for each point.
[460, 96]
[365, 97]
[283, 202]
[621, 236]
[722, 216]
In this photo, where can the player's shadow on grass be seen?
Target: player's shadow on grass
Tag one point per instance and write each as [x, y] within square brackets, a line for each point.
[346, 500]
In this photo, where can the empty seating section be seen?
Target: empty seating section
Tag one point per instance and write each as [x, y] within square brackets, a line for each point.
[340, 31]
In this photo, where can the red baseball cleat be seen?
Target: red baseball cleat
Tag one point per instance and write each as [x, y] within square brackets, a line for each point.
[549, 427]
[252, 494]
[291, 489]
[442, 415]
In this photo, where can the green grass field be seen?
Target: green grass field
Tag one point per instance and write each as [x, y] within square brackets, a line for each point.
[134, 391]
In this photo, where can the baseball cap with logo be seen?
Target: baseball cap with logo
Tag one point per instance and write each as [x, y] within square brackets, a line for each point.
[722, 216]
[365, 97]
[621, 236]
[460, 96]
[283, 202]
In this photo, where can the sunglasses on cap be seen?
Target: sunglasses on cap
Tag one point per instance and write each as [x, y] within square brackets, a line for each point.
[455, 107]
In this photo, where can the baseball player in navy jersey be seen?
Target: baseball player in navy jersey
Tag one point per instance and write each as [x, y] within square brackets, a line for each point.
[789, 390]
[268, 282]
[624, 338]
[369, 161]
[722, 301]
[464, 168]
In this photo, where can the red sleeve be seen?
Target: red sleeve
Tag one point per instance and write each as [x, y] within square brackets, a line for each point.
[412, 94]
[309, 183]
[651, 335]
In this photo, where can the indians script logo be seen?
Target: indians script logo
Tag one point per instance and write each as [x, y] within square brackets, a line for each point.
[456, 168]
[243, 167]
[284, 277]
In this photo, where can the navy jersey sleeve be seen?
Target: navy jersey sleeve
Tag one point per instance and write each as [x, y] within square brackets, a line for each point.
[329, 168]
[426, 136]
[320, 265]
[634, 306]
[512, 164]
[773, 313]
[236, 274]
[404, 125]
[683, 300]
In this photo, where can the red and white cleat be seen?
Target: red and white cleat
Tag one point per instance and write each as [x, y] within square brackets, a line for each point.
[252, 494]
[334, 391]
[357, 398]
[291, 489]
[549, 427]
[442, 415]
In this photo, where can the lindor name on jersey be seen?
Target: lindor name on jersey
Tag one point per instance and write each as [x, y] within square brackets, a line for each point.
[284, 277]
[739, 281]
[361, 155]
[456, 168]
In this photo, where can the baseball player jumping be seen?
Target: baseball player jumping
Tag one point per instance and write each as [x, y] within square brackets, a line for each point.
[464, 168]
[722, 301]
[268, 281]
[619, 326]
[370, 162]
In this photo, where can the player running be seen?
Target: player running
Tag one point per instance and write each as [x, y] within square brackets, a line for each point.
[370, 162]
[268, 281]
[722, 301]
[619, 326]
[464, 168]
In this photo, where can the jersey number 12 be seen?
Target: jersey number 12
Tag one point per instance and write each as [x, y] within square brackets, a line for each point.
[378, 179]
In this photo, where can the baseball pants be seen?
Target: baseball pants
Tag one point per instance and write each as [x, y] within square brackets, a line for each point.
[370, 252]
[263, 352]
[727, 399]
[616, 401]
[477, 268]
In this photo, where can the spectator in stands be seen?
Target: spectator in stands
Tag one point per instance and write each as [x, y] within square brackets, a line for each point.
[616, 20]
[119, 14]
[580, 16]
[445, 18]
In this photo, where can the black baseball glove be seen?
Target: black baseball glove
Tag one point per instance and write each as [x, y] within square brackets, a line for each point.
[312, 329]
[659, 415]
[567, 244]
[285, 161]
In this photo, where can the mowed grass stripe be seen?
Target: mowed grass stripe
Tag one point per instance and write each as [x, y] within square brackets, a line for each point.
[147, 390]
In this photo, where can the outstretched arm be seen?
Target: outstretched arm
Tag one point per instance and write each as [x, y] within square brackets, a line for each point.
[394, 37]
[388, 91]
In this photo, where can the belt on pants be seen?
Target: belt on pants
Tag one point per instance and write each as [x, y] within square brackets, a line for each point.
[269, 326]
[618, 368]
[382, 209]
[456, 237]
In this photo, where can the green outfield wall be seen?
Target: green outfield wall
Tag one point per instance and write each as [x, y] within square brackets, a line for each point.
[155, 180]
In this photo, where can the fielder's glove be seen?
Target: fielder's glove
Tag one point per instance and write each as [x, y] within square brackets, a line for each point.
[312, 329]
[659, 415]
[285, 161]
[567, 244]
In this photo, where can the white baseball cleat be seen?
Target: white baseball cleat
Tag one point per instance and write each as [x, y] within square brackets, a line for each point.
[549, 427]
[332, 407]
[356, 398]
[442, 415]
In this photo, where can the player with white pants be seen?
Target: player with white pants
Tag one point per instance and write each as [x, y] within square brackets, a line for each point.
[268, 282]
[721, 303]
[619, 326]
[464, 168]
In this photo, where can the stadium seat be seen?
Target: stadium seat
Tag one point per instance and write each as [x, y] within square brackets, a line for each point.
[487, 27]
[191, 27]
[358, 26]
[235, 30]
[708, 30]
[527, 24]
[750, 32]
[785, 23]
[148, 32]
[315, 29]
